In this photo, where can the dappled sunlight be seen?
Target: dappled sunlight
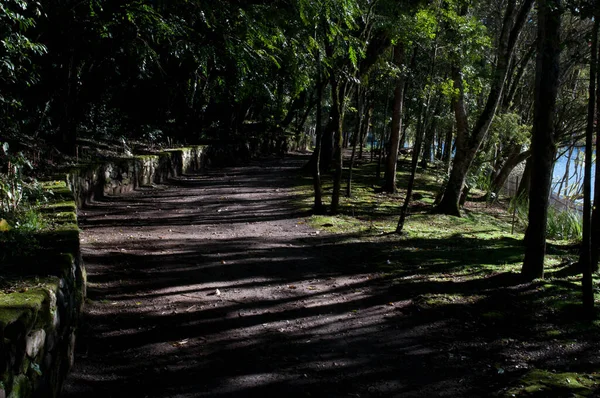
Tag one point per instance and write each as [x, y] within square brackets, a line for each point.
[256, 299]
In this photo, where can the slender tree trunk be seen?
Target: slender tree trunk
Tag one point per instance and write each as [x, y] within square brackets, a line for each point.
[543, 148]
[565, 180]
[316, 167]
[338, 92]
[430, 136]
[355, 138]
[585, 258]
[507, 168]
[595, 239]
[447, 154]
[392, 159]
[411, 182]
[364, 131]
[525, 183]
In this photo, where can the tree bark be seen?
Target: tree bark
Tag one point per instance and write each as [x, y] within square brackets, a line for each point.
[507, 168]
[338, 94]
[392, 159]
[595, 239]
[318, 207]
[585, 258]
[543, 147]
[411, 181]
[355, 137]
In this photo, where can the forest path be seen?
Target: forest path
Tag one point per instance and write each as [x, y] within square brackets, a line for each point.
[213, 285]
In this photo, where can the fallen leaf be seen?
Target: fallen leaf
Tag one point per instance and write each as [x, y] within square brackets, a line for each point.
[292, 286]
[180, 343]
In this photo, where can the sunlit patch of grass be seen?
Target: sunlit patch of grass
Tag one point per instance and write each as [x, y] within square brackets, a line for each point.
[544, 383]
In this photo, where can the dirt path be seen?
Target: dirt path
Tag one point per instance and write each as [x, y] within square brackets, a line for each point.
[214, 286]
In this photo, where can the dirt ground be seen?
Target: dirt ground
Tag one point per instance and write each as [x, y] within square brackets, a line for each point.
[214, 286]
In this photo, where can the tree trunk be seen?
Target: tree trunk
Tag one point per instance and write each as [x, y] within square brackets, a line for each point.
[565, 180]
[316, 167]
[448, 204]
[595, 239]
[364, 131]
[525, 184]
[392, 159]
[585, 258]
[543, 148]
[338, 94]
[447, 154]
[467, 144]
[411, 181]
[508, 167]
[355, 137]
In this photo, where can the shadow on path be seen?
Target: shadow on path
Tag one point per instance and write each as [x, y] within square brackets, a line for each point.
[214, 286]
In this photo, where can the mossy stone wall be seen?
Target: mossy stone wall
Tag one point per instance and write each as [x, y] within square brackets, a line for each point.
[116, 176]
[40, 309]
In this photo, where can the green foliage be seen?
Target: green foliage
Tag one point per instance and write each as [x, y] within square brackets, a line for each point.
[564, 224]
[17, 192]
[507, 128]
[17, 50]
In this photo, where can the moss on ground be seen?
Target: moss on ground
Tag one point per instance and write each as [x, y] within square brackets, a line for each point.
[542, 383]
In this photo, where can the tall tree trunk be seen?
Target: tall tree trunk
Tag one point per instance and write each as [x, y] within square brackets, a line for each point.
[461, 162]
[430, 136]
[447, 154]
[585, 258]
[338, 93]
[392, 159]
[411, 181]
[543, 148]
[595, 244]
[355, 137]
[564, 182]
[316, 167]
[467, 144]
[364, 131]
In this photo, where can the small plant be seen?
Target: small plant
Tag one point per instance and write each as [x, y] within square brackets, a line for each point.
[18, 193]
[12, 184]
[562, 224]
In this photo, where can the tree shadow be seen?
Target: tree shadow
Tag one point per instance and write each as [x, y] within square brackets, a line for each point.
[188, 301]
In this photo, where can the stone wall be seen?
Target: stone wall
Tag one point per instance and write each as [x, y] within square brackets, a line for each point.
[116, 176]
[41, 306]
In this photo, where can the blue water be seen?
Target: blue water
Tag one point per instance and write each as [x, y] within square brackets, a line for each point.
[561, 164]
